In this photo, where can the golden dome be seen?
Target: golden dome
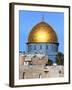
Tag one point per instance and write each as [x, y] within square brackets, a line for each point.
[42, 32]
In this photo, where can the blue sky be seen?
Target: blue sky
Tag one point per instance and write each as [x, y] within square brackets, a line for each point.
[28, 19]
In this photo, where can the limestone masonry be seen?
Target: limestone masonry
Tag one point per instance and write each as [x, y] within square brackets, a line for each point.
[34, 66]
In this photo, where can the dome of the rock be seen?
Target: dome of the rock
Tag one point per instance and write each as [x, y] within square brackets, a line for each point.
[42, 32]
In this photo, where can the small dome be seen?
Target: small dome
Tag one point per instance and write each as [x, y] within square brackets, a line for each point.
[42, 32]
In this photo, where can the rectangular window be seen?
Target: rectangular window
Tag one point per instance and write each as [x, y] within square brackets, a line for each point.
[30, 47]
[34, 47]
[40, 46]
[46, 46]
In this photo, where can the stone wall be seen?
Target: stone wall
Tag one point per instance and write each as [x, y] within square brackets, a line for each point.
[21, 59]
[39, 61]
[35, 59]
[40, 71]
[36, 67]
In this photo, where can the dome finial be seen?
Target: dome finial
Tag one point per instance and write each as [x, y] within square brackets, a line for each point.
[42, 17]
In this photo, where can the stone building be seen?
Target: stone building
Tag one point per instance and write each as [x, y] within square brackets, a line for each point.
[43, 40]
[33, 59]
[42, 45]
[34, 66]
[21, 59]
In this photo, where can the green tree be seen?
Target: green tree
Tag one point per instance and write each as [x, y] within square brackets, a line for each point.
[50, 62]
[60, 58]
